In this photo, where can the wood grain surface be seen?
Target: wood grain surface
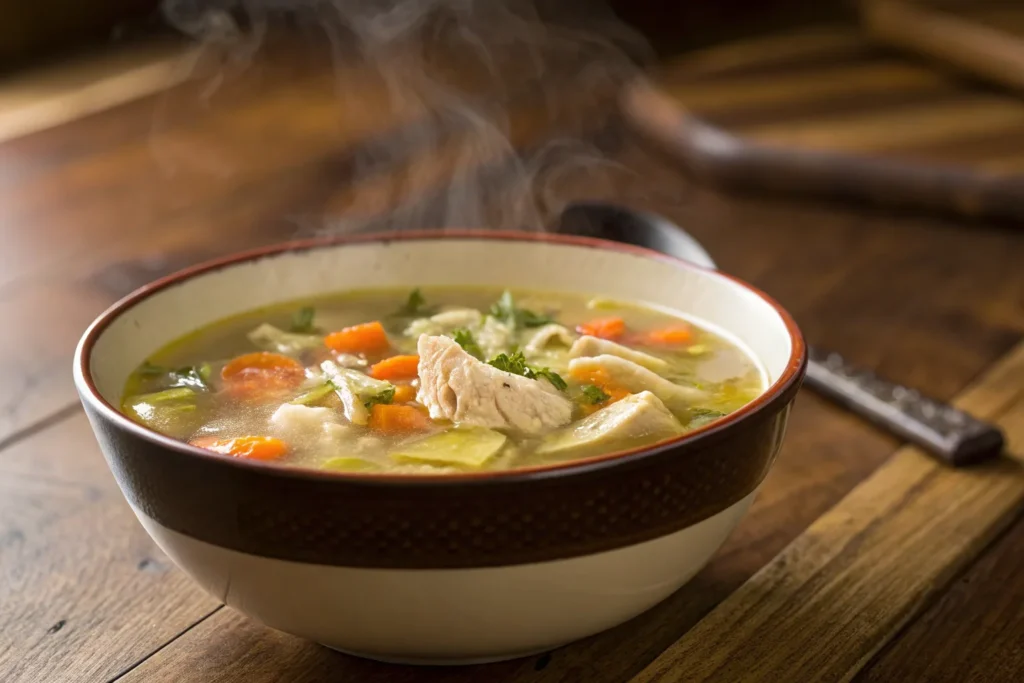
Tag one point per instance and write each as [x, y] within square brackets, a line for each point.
[982, 38]
[870, 127]
[86, 593]
[91, 209]
[866, 567]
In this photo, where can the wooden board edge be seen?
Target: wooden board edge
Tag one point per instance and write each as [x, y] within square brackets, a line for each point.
[839, 592]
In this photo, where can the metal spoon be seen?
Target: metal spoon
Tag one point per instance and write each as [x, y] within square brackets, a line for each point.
[951, 435]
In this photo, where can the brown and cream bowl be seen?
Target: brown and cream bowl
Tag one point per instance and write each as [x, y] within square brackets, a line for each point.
[457, 567]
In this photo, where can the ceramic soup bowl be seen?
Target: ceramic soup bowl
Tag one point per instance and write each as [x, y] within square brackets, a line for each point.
[455, 568]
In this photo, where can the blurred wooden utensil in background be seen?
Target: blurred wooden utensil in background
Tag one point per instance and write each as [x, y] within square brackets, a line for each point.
[984, 39]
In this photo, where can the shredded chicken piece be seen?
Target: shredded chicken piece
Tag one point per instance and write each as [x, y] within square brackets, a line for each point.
[456, 386]
[635, 378]
[592, 346]
[639, 418]
[545, 336]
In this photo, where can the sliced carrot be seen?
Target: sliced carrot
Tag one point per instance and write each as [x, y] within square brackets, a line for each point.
[404, 393]
[603, 328]
[396, 368]
[367, 338]
[262, 375]
[614, 394]
[600, 379]
[676, 335]
[394, 419]
[596, 376]
[248, 447]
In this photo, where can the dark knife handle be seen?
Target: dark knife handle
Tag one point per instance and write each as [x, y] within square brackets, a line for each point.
[950, 434]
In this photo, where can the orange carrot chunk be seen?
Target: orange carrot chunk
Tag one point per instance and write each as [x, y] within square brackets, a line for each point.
[597, 376]
[394, 419]
[675, 335]
[600, 379]
[262, 375]
[367, 338]
[404, 393]
[396, 368]
[614, 394]
[248, 447]
[603, 328]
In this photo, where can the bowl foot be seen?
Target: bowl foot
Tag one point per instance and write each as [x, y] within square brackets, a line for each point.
[429, 661]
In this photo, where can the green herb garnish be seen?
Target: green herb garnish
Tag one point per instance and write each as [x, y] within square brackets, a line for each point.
[515, 364]
[302, 321]
[383, 397]
[195, 377]
[465, 339]
[415, 305]
[504, 309]
[594, 395]
[550, 375]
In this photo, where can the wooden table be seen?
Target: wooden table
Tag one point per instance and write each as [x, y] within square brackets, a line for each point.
[837, 573]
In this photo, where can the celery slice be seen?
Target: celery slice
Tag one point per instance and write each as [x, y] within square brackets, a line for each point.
[313, 395]
[269, 338]
[349, 464]
[467, 447]
[165, 396]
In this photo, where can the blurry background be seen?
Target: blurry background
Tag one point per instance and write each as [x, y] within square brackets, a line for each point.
[30, 31]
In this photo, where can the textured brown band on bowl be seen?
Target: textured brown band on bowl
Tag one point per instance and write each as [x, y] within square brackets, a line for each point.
[278, 513]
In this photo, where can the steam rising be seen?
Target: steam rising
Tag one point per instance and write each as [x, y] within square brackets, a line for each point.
[467, 93]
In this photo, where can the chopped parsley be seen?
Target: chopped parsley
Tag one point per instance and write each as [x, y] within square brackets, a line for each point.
[550, 375]
[516, 364]
[505, 310]
[415, 305]
[383, 397]
[594, 395]
[465, 339]
[192, 376]
[302, 321]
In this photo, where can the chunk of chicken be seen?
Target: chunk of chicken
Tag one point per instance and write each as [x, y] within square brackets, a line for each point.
[445, 321]
[295, 422]
[545, 336]
[458, 317]
[493, 336]
[635, 378]
[456, 386]
[312, 428]
[592, 346]
[635, 420]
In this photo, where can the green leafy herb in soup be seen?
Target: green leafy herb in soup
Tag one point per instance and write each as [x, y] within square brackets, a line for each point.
[440, 381]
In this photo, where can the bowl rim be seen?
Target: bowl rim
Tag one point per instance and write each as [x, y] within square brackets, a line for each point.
[90, 395]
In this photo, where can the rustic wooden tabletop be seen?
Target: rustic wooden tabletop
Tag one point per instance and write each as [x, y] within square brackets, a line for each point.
[861, 559]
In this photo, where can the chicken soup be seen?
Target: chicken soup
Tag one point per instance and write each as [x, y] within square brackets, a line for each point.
[440, 381]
